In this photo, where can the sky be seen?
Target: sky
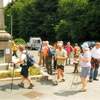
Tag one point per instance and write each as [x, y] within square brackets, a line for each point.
[6, 2]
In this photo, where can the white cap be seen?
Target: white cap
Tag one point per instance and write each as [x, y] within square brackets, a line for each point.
[85, 46]
[60, 43]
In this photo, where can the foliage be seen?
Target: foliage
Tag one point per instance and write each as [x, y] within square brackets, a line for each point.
[66, 20]
[34, 71]
[19, 41]
[7, 74]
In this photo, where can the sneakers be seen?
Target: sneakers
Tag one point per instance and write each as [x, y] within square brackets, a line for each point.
[21, 85]
[83, 90]
[55, 83]
[96, 79]
[31, 86]
[62, 80]
[90, 80]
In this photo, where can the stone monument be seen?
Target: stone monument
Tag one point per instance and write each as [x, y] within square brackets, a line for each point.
[5, 50]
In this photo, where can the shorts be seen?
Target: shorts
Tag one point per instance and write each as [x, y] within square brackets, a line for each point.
[60, 67]
[24, 71]
[85, 71]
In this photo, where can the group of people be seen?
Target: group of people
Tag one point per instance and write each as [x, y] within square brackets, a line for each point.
[55, 57]
[87, 58]
[48, 55]
[89, 62]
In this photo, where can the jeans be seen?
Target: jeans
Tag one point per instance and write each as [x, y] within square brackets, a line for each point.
[94, 69]
[94, 72]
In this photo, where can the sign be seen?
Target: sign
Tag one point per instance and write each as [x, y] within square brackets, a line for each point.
[7, 51]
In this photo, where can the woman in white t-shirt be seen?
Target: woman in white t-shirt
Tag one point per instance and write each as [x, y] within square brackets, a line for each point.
[85, 63]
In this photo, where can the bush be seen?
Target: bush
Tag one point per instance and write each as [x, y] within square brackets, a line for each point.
[19, 41]
[8, 74]
[34, 71]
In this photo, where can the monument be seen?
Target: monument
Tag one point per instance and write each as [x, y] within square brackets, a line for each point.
[5, 50]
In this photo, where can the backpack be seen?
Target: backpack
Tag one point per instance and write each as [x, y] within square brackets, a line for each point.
[30, 60]
[51, 52]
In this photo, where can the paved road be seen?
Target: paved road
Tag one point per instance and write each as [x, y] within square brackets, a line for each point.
[44, 90]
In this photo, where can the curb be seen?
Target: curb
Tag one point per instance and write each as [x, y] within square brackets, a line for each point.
[18, 78]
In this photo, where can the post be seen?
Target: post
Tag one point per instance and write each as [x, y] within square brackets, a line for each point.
[12, 25]
[5, 46]
[1, 15]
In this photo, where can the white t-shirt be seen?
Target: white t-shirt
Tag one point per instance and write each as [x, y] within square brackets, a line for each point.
[85, 55]
[95, 53]
[22, 56]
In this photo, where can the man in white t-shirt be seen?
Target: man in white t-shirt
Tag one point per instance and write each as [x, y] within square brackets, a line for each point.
[95, 53]
[24, 68]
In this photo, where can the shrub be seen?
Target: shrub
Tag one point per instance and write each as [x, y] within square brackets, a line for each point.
[20, 41]
[34, 71]
[7, 74]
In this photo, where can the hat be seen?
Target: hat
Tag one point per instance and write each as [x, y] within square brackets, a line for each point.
[60, 44]
[85, 46]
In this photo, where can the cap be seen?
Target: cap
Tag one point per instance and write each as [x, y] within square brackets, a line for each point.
[85, 46]
[60, 44]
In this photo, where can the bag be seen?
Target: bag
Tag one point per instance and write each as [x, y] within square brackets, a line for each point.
[51, 52]
[30, 60]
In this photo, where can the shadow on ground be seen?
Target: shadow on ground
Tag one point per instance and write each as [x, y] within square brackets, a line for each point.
[45, 82]
[9, 86]
[67, 93]
[33, 94]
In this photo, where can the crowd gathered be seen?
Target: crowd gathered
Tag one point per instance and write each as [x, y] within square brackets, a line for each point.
[55, 57]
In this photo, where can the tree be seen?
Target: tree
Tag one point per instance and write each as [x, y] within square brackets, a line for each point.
[71, 12]
[34, 18]
[74, 20]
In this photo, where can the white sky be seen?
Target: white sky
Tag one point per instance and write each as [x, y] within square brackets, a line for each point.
[6, 2]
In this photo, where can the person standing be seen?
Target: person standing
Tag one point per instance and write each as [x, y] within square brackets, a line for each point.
[54, 59]
[44, 51]
[76, 64]
[95, 52]
[69, 50]
[14, 49]
[60, 58]
[77, 51]
[49, 58]
[85, 63]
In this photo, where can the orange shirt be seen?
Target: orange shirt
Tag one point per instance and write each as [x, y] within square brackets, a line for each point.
[45, 50]
[14, 47]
